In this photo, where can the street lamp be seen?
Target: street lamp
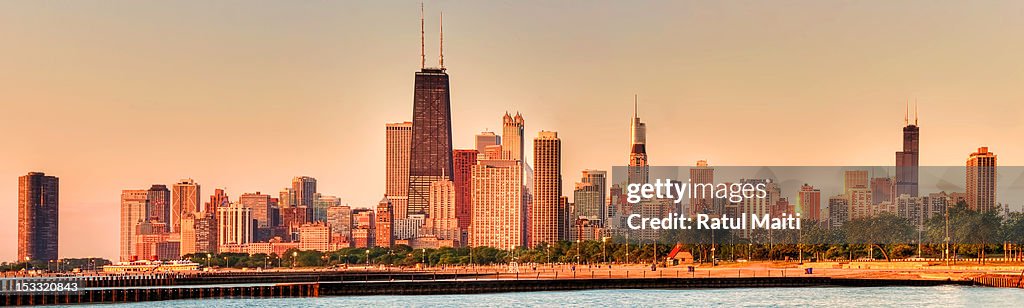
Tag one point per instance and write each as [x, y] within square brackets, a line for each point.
[424, 257]
[367, 259]
[579, 259]
[295, 256]
[627, 248]
[604, 252]
[208, 256]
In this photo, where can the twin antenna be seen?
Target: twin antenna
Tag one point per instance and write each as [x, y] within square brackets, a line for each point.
[423, 49]
[906, 115]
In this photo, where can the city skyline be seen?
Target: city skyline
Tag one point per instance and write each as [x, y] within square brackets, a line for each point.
[671, 143]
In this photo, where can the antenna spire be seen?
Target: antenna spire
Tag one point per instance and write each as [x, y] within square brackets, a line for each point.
[441, 27]
[423, 49]
[635, 105]
[915, 112]
[906, 114]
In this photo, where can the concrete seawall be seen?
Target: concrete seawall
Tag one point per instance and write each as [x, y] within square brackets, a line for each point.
[381, 284]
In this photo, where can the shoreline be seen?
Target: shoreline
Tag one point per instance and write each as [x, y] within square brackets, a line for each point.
[304, 283]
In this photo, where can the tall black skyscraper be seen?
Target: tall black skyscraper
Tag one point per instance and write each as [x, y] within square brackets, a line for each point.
[430, 157]
[37, 217]
[907, 160]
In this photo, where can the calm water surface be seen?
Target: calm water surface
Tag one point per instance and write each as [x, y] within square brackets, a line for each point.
[943, 296]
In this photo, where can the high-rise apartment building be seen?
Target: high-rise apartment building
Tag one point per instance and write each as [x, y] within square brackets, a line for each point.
[544, 216]
[981, 180]
[385, 236]
[315, 236]
[441, 220]
[589, 197]
[498, 204]
[398, 137]
[838, 211]
[854, 179]
[702, 199]
[809, 201]
[462, 179]
[38, 200]
[339, 218]
[234, 224]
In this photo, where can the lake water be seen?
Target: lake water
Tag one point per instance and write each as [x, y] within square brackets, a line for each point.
[942, 296]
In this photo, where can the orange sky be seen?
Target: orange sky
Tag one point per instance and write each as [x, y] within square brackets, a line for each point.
[245, 95]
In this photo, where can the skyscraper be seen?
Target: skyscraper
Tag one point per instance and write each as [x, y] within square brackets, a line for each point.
[160, 204]
[218, 199]
[462, 179]
[498, 205]
[809, 200]
[285, 198]
[637, 171]
[702, 199]
[38, 200]
[184, 199]
[442, 220]
[396, 187]
[234, 224]
[547, 156]
[854, 179]
[260, 205]
[908, 159]
[385, 237]
[485, 139]
[430, 156]
[838, 211]
[981, 180]
[512, 137]
[340, 220]
[304, 189]
[134, 204]
[320, 206]
[589, 197]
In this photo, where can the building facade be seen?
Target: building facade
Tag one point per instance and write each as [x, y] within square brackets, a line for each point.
[38, 212]
[544, 216]
[398, 137]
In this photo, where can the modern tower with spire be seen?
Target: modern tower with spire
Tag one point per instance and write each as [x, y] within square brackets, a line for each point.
[430, 148]
[638, 171]
[907, 161]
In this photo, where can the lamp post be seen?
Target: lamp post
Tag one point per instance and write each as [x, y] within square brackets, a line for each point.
[579, 258]
[367, 259]
[226, 263]
[547, 251]
[295, 256]
[424, 253]
[627, 248]
[208, 256]
[604, 251]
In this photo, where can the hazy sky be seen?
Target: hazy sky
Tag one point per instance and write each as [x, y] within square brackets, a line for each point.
[244, 95]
